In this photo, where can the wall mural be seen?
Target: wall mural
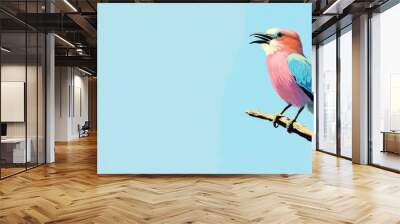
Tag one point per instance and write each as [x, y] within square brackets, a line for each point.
[181, 90]
[290, 73]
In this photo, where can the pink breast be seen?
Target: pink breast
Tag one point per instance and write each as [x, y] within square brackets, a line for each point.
[283, 81]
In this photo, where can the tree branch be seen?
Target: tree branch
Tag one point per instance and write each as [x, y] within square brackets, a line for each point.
[283, 121]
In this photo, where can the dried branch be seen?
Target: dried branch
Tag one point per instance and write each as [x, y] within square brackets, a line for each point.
[283, 121]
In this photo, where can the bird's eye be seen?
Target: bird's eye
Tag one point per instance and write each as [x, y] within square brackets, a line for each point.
[280, 34]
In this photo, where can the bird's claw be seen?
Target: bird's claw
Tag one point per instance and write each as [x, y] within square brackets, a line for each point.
[276, 118]
[290, 127]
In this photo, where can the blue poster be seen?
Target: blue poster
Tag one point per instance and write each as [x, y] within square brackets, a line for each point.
[204, 89]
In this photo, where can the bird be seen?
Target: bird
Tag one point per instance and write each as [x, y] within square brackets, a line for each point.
[289, 70]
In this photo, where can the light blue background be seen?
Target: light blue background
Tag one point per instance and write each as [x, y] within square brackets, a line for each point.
[175, 80]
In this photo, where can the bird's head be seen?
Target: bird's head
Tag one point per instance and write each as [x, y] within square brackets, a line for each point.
[275, 40]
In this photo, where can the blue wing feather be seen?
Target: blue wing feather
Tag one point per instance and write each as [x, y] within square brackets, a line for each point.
[300, 68]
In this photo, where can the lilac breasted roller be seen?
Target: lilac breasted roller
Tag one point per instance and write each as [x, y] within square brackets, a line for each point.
[288, 68]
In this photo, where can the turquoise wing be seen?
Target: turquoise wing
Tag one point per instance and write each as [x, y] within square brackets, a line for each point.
[300, 68]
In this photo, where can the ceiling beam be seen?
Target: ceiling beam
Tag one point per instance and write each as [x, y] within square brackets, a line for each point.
[84, 24]
[82, 61]
[338, 6]
[321, 21]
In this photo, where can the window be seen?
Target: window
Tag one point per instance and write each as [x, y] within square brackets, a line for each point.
[327, 96]
[346, 93]
[22, 93]
[385, 90]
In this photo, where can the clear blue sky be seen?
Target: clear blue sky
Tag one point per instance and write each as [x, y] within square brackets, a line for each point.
[175, 81]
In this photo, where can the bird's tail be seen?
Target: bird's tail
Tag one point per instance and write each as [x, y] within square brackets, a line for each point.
[310, 106]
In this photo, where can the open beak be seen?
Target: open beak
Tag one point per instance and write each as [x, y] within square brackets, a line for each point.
[262, 38]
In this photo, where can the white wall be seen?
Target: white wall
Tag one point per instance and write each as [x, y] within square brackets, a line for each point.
[80, 110]
[62, 82]
[71, 102]
[16, 72]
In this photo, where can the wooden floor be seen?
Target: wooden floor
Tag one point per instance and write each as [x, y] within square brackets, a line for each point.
[5, 172]
[70, 191]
